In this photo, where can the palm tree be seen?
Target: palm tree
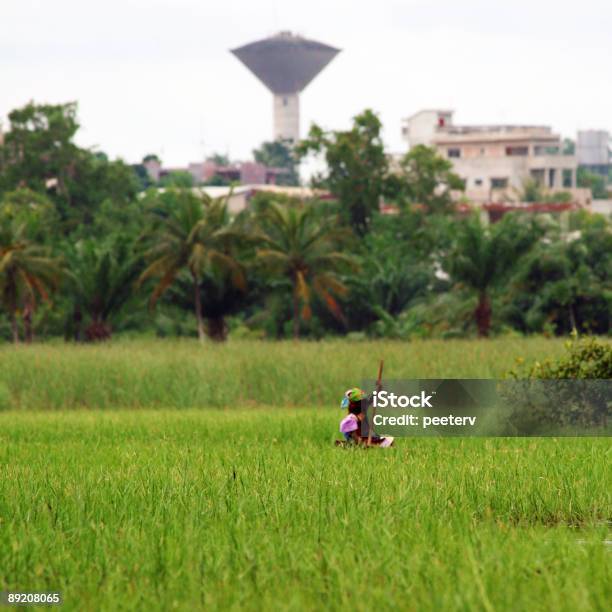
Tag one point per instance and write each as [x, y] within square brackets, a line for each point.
[220, 298]
[27, 274]
[194, 234]
[482, 258]
[298, 245]
[102, 277]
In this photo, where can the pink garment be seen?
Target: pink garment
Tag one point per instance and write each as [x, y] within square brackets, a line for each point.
[349, 423]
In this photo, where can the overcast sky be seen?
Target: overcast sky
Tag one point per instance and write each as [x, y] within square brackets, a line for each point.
[157, 76]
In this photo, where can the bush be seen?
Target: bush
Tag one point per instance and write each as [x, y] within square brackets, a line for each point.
[587, 358]
[573, 390]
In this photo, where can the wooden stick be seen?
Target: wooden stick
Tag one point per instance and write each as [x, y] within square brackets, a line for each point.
[378, 387]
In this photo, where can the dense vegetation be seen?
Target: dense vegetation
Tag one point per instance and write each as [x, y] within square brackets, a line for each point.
[85, 252]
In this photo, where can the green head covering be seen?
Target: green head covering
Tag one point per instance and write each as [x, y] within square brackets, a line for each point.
[353, 396]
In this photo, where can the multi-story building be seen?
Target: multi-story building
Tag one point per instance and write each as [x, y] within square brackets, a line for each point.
[496, 161]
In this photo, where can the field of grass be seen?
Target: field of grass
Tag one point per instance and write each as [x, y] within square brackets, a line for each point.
[183, 374]
[254, 509]
[240, 503]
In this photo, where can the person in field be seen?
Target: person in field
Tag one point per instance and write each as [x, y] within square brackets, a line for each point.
[354, 426]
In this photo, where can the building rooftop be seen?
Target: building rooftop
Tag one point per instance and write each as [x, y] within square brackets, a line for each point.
[493, 133]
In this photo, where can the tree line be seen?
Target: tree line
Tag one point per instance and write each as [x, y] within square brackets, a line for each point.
[85, 252]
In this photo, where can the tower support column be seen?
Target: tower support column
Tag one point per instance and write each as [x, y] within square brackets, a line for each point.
[287, 117]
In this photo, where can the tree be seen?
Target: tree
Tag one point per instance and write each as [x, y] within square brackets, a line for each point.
[396, 268]
[96, 180]
[482, 258]
[357, 167]
[192, 234]
[533, 191]
[304, 250]
[151, 157]
[220, 297]
[569, 147]
[33, 210]
[595, 182]
[427, 179]
[143, 176]
[27, 274]
[565, 286]
[220, 159]
[177, 178]
[39, 153]
[103, 274]
[278, 154]
[39, 148]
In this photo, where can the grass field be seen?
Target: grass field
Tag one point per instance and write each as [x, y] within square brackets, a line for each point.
[175, 374]
[251, 507]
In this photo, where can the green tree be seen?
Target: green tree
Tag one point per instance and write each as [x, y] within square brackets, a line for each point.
[191, 234]
[220, 159]
[396, 268]
[532, 191]
[39, 147]
[278, 154]
[28, 274]
[177, 178]
[303, 249]
[482, 258]
[151, 157]
[220, 298]
[39, 153]
[595, 182]
[103, 274]
[357, 167]
[34, 210]
[94, 181]
[142, 175]
[564, 286]
[569, 146]
[427, 179]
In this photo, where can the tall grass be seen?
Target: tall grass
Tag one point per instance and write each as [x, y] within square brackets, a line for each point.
[255, 510]
[181, 374]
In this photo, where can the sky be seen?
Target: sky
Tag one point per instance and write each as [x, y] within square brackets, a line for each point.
[156, 76]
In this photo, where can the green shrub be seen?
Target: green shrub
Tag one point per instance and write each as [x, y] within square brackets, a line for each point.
[586, 358]
[573, 390]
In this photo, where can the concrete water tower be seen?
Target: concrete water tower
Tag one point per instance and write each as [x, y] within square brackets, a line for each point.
[285, 64]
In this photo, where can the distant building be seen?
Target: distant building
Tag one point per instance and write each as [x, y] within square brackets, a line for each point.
[593, 151]
[495, 161]
[153, 167]
[242, 172]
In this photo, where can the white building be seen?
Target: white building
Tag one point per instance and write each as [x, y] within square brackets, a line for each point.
[496, 160]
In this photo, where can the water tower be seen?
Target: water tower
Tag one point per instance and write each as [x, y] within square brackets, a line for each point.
[285, 64]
